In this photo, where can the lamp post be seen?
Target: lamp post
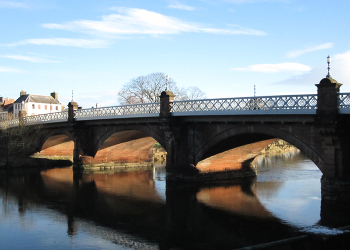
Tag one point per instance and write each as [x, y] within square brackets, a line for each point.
[167, 83]
[328, 62]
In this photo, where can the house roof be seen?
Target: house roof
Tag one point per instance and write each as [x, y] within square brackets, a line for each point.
[37, 99]
[8, 107]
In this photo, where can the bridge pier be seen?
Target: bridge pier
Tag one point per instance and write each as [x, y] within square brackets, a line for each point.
[335, 201]
[334, 131]
[183, 145]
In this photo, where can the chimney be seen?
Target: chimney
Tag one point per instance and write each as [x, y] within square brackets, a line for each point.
[22, 93]
[54, 95]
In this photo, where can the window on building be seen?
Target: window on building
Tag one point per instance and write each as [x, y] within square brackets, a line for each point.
[45, 107]
[50, 107]
[33, 106]
[38, 106]
[56, 107]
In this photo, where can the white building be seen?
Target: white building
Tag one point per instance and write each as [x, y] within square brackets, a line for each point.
[36, 104]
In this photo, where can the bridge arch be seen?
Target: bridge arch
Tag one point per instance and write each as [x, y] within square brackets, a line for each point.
[102, 137]
[128, 143]
[53, 138]
[262, 132]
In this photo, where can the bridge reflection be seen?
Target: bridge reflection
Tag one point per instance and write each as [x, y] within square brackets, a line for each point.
[194, 216]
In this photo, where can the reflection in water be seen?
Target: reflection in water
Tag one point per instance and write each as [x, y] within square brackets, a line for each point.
[289, 186]
[130, 210]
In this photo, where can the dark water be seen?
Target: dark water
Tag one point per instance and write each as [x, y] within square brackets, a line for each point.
[139, 210]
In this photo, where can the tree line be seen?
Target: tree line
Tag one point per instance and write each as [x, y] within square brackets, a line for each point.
[147, 89]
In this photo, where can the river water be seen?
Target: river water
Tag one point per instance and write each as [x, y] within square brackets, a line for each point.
[139, 210]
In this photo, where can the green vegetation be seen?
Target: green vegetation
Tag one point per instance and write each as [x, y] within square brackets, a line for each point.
[278, 147]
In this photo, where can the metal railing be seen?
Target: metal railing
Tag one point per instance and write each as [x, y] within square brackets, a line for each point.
[344, 100]
[9, 123]
[50, 117]
[284, 104]
[144, 109]
[258, 103]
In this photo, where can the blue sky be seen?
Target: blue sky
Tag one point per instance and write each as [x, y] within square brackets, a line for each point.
[224, 47]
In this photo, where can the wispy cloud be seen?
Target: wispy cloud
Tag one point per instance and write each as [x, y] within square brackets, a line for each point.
[339, 70]
[274, 68]
[29, 59]
[254, 1]
[84, 43]
[9, 70]
[177, 5]
[296, 53]
[132, 21]
[12, 4]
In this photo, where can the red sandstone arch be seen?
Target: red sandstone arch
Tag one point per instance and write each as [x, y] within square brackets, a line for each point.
[127, 127]
[57, 143]
[268, 133]
[120, 145]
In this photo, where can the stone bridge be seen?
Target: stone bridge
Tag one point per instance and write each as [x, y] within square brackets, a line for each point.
[211, 137]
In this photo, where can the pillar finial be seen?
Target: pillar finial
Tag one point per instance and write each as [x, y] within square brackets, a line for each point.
[167, 83]
[328, 62]
[72, 95]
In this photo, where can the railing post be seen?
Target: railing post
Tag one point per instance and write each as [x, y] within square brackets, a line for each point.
[21, 115]
[166, 99]
[327, 100]
[71, 107]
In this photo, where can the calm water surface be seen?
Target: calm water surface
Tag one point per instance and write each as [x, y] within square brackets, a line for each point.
[138, 210]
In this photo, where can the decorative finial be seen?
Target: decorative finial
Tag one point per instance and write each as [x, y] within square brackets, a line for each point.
[72, 95]
[328, 62]
[254, 90]
[167, 83]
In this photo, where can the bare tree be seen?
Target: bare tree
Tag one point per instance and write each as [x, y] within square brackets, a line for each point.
[147, 89]
[190, 93]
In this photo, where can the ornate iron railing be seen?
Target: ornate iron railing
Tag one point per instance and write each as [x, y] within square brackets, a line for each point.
[240, 105]
[50, 117]
[285, 102]
[344, 100]
[146, 109]
[9, 123]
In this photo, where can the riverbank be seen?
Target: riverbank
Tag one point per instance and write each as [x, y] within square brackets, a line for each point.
[17, 162]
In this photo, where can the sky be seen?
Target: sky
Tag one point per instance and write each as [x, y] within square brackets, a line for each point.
[224, 47]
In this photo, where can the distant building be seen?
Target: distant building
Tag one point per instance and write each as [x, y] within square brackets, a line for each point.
[36, 104]
[6, 108]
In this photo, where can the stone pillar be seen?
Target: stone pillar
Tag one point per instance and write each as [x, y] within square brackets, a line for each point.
[327, 123]
[71, 107]
[21, 115]
[335, 182]
[327, 100]
[166, 99]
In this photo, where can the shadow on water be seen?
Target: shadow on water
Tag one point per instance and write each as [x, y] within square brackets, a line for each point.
[191, 217]
[139, 210]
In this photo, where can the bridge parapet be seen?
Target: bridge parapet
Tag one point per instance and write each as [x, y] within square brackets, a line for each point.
[259, 105]
[9, 123]
[136, 110]
[46, 118]
[284, 104]
[344, 103]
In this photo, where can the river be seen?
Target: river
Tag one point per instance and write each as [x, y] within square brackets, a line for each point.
[139, 210]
